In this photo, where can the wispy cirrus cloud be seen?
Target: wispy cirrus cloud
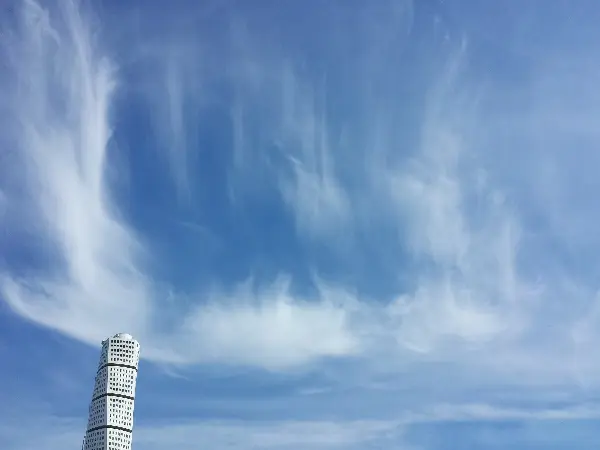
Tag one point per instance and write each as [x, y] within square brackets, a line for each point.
[460, 231]
[433, 192]
[174, 99]
[327, 434]
[63, 87]
[312, 190]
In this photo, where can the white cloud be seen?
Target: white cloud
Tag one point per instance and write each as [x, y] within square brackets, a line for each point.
[461, 235]
[485, 412]
[65, 432]
[292, 146]
[436, 314]
[3, 205]
[312, 190]
[467, 287]
[98, 287]
[293, 434]
[173, 100]
[269, 328]
[317, 201]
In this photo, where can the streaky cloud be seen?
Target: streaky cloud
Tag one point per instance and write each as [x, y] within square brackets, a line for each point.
[297, 434]
[481, 290]
[63, 139]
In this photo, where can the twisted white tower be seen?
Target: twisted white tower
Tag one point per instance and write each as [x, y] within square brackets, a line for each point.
[110, 422]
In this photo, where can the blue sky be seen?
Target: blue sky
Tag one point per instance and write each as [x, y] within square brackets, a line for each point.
[331, 225]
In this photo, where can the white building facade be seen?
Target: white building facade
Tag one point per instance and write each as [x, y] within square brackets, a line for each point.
[110, 421]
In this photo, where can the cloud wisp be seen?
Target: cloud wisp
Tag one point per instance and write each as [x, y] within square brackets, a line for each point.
[63, 89]
[353, 434]
[457, 229]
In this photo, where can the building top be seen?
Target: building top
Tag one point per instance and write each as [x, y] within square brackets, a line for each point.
[124, 336]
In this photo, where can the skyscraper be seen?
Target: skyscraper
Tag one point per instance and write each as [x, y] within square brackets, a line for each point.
[110, 422]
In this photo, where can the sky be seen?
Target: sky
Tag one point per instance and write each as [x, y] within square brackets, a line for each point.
[340, 224]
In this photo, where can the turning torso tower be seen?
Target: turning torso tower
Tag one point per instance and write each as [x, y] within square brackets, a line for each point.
[110, 422]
